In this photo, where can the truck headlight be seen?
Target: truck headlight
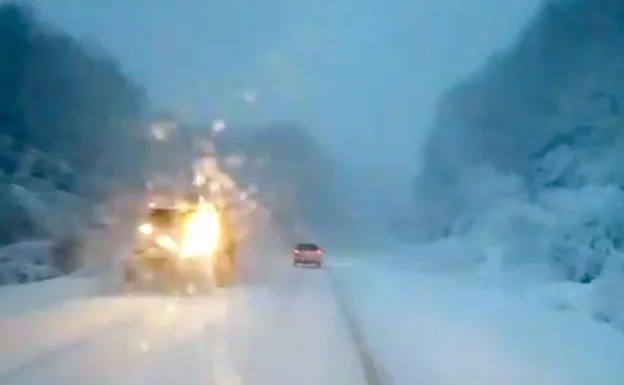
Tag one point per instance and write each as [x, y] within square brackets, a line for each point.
[146, 228]
[202, 233]
[167, 243]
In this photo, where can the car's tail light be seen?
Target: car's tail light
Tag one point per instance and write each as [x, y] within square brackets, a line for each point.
[299, 252]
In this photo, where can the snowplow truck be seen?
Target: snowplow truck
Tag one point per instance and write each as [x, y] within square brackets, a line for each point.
[185, 250]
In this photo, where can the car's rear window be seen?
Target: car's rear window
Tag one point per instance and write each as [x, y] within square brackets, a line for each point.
[307, 247]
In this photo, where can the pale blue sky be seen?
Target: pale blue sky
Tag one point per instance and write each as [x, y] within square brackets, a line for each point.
[364, 75]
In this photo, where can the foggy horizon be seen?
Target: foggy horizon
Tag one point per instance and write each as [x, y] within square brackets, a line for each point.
[364, 81]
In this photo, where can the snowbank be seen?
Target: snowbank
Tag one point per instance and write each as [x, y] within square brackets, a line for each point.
[27, 262]
[529, 177]
[58, 213]
[457, 330]
[566, 242]
[20, 299]
[54, 226]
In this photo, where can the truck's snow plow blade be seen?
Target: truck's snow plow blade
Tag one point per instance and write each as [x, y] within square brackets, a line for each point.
[179, 276]
[168, 277]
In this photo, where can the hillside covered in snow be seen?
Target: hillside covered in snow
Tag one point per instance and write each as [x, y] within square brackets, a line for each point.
[70, 141]
[524, 162]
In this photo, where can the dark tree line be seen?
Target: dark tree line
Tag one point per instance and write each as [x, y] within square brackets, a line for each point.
[67, 100]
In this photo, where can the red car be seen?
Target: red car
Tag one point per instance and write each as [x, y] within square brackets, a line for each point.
[308, 254]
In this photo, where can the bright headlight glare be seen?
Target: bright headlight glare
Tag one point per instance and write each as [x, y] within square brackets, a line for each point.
[146, 228]
[167, 243]
[202, 232]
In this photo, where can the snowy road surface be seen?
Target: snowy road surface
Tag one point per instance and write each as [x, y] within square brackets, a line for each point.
[289, 332]
[442, 328]
[412, 327]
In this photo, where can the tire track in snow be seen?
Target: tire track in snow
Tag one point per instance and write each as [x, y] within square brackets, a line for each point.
[65, 349]
[130, 315]
[374, 372]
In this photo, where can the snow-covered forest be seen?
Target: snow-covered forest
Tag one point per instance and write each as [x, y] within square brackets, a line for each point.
[524, 162]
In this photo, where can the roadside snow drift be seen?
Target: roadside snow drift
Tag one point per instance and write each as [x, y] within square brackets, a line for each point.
[19, 299]
[428, 328]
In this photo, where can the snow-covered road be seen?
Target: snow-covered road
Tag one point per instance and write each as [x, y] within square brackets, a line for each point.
[290, 331]
[360, 321]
